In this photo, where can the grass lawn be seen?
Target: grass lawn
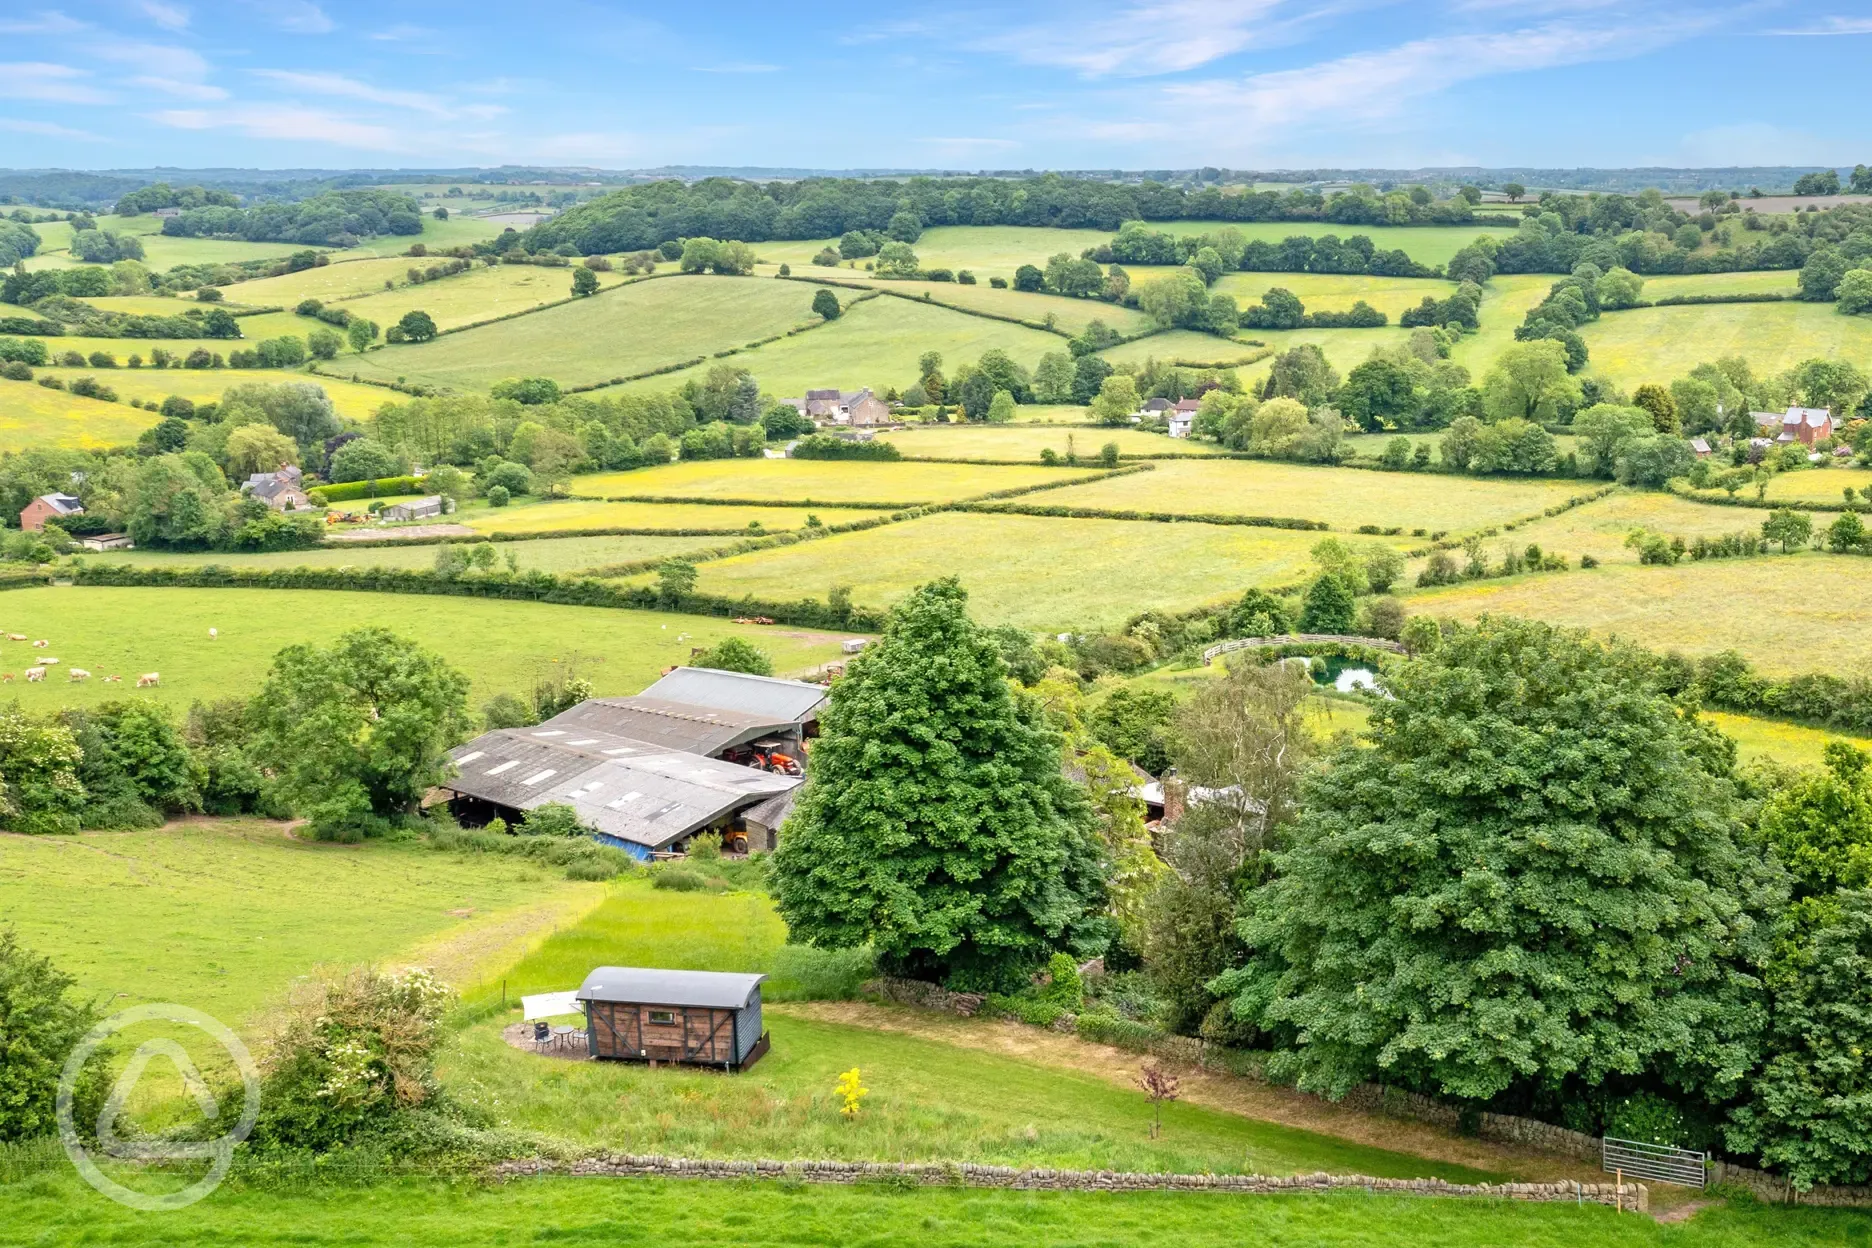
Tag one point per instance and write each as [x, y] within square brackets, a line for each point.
[1342, 497]
[200, 385]
[1027, 570]
[581, 513]
[343, 276]
[640, 326]
[222, 914]
[57, 1208]
[553, 554]
[1806, 485]
[852, 483]
[1026, 441]
[455, 231]
[1658, 344]
[1794, 744]
[502, 646]
[1071, 315]
[875, 343]
[1779, 281]
[1336, 292]
[477, 295]
[1599, 528]
[31, 415]
[1750, 605]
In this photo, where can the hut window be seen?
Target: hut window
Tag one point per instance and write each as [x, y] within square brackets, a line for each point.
[667, 1017]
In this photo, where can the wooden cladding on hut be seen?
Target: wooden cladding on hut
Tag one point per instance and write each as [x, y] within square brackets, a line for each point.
[701, 1018]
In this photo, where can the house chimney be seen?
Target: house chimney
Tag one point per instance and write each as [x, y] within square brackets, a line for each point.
[1175, 795]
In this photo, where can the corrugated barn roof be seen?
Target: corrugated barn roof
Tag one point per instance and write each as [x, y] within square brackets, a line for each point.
[776, 700]
[718, 990]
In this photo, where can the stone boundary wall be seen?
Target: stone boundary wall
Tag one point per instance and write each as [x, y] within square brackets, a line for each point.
[1772, 1187]
[1629, 1196]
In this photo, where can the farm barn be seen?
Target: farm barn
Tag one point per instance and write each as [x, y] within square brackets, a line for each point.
[697, 1018]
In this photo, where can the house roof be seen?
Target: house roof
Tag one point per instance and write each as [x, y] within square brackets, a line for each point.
[1157, 405]
[1811, 416]
[667, 724]
[1700, 445]
[718, 990]
[1188, 405]
[273, 486]
[780, 701]
[823, 394]
[633, 790]
[63, 504]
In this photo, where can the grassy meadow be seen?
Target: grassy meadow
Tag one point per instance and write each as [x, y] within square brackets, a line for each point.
[641, 326]
[1186, 346]
[581, 513]
[1754, 606]
[32, 415]
[1659, 344]
[1335, 292]
[502, 646]
[851, 483]
[1070, 315]
[1025, 570]
[1805, 485]
[162, 252]
[1758, 281]
[341, 278]
[1342, 497]
[480, 294]
[200, 385]
[1600, 528]
[1026, 441]
[554, 554]
[223, 914]
[875, 343]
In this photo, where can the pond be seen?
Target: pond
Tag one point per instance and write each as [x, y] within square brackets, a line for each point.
[1346, 675]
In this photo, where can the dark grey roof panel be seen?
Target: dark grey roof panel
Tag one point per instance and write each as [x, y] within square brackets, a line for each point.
[671, 725]
[779, 701]
[717, 990]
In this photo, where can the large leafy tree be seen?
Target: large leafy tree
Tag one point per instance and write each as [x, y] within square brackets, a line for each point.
[355, 732]
[1810, 1112]
[1527, 876]
[41, 1021]
[936, 823]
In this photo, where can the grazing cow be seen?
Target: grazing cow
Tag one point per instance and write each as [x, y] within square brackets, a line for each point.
[40, 645]
[149, 678]
[6, 678]
[35, 673]
[213, 633]
[78, 674]
[47, 662]
[113, 680]
[16, 636]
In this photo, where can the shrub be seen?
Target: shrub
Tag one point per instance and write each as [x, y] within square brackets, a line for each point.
[830, 446]
[1064, 987]
[735, 654]
[43, 1022]
[497, 496]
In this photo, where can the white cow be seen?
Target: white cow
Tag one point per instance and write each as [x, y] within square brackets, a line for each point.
[35, 673]
[40, 645]
[213, 633]
[79, 673]
[149, 678]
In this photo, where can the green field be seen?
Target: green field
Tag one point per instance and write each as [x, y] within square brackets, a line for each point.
[1804, 485]
[1026, 570]
[1752, 605]
[553, 554]
[1342, 497]
[328, 282]
[583, 514]
[1186, 346]
[1794, 744]
[161, 252]
[1599, 528]
[58, 1208]
[1335, 292]
[1781, 281]
[640, 327]
[31, 415]
[206, 384]
[1659, 344]
[500, 645]
[221, 915]
[844, 482]
[477, 295]
[1026, 441]
[1070, 315]
[875, 343]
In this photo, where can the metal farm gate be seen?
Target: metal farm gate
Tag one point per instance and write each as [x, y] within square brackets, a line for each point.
[1659, 1162]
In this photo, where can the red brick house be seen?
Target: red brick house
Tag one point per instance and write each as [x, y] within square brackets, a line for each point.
[49, 507]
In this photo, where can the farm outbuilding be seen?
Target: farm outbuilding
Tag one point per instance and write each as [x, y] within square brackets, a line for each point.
[695, 1018]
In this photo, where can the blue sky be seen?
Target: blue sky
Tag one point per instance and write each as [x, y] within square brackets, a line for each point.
[1088, 84]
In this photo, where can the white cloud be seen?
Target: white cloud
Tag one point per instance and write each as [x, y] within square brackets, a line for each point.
[484, 112]
[161, 60]
[167, 16]
[1154, 37]
[49, 130]
[182, 90]
[305, 125]
[42, 80]
[49, 22]
[1832, 26]
[350, 88]
[301, 17]
[402, 31]
[1753, 143]
[738, 67]
[1369, 85]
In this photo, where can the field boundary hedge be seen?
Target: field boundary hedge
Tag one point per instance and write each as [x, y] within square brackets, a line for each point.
[1690, 495]
[1630, 1196]
[1086, 478]
[1161, 517]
